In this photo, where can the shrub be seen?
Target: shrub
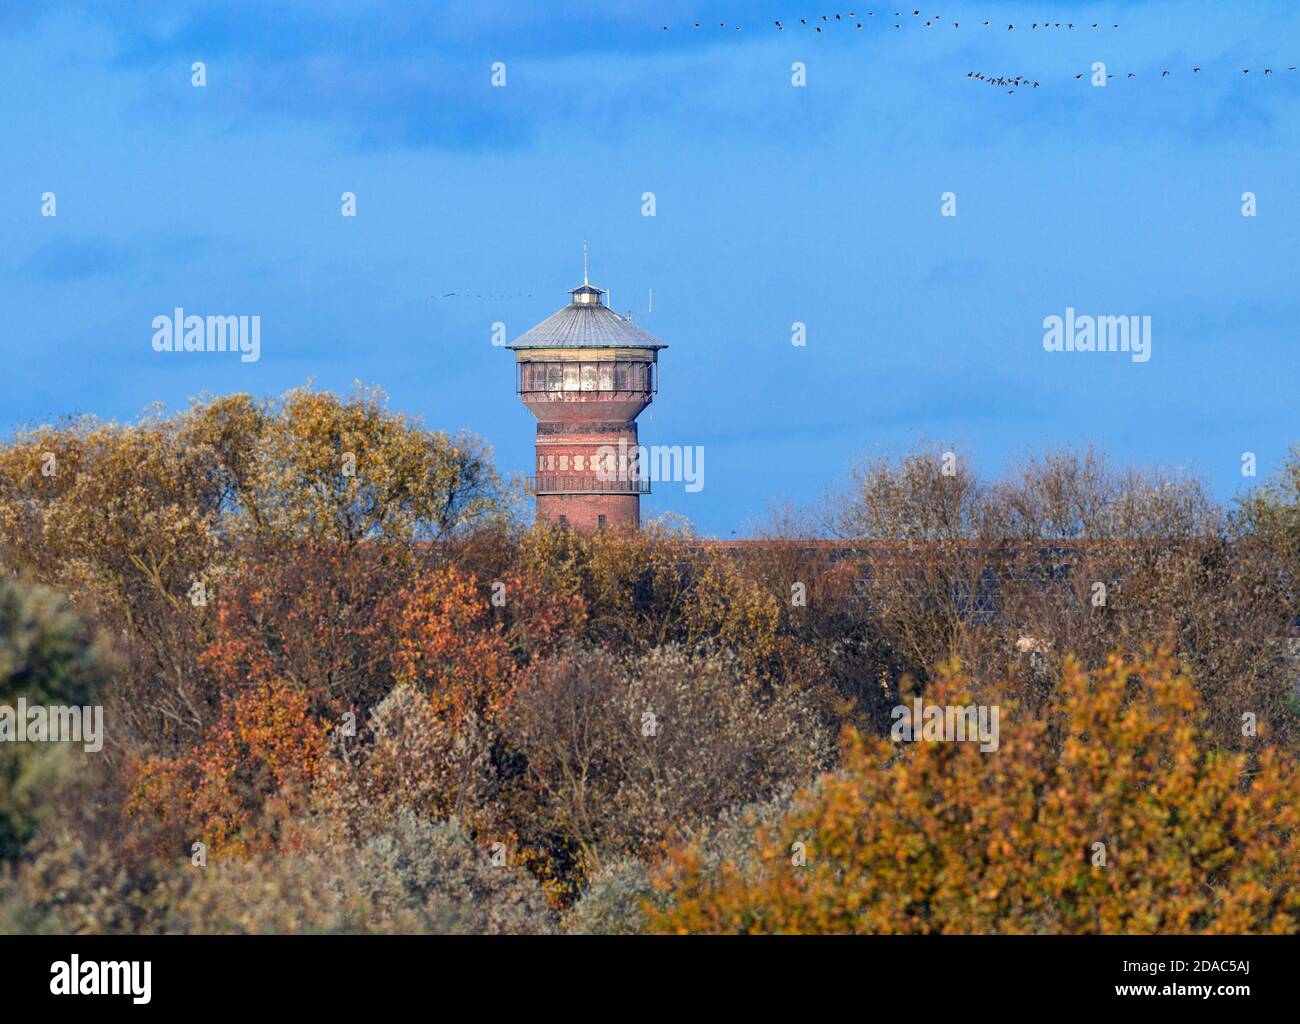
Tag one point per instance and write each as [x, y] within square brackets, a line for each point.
[625, 755]
[941, 837]
[51, 656]
[416, 876]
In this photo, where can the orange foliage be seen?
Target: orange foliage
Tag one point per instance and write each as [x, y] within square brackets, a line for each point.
[255, 766]
[941, 837]
[318, 616]
[466, 652]
[265, 746]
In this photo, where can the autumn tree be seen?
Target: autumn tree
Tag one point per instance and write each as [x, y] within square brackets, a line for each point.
[1114, 814]
[348, 470]
[143, 523]
[627, 755]
[1066, 553]
[1268, 521]
[320, 615]
[251, 772]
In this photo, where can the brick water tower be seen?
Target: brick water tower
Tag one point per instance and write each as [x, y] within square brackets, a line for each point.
[586, 373]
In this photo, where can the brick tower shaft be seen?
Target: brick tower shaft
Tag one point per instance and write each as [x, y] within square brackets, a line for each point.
[574, 483]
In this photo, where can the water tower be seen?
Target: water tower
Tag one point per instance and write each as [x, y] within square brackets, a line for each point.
[586, 373]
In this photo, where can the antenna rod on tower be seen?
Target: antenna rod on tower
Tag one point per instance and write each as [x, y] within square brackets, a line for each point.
[584, 261]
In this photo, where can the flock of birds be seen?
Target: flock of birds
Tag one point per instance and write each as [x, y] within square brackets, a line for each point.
[1011, 84]
[1008, 82]
[1166, 73]
[1003, 81]
[932, 21]
[476, 295]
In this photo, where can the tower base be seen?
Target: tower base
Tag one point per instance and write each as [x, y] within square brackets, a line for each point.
[589, 512]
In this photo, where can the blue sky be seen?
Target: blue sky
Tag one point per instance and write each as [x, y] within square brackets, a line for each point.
[774, 204]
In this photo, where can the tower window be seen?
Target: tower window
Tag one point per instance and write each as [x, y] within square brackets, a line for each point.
[600, 522]
[564, 522]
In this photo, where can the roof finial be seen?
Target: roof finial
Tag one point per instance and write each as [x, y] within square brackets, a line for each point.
[584, 262]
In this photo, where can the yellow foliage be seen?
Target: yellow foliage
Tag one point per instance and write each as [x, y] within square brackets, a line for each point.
[941, 837]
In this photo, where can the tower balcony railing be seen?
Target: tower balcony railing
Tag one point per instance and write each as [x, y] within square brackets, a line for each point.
[561, 483]
[598, 395]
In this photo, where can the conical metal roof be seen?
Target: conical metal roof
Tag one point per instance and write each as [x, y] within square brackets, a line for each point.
[586, 323]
